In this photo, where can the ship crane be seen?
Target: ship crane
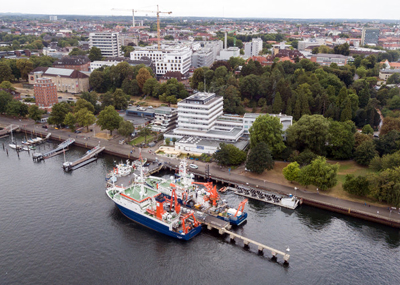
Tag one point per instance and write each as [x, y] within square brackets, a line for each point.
[158, 12]
[211, 190]
[241, 207]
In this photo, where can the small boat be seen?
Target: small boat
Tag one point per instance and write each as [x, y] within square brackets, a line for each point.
[223, 189]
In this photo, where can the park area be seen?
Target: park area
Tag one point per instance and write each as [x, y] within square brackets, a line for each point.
[345, 167]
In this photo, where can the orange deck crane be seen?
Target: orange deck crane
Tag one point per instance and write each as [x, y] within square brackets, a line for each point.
[241, 206]
[212, 190]
[174, 200]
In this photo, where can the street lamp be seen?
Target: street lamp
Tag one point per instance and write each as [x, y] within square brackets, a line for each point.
[295, 191]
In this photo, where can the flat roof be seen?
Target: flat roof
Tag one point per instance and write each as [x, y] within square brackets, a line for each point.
[255, 115]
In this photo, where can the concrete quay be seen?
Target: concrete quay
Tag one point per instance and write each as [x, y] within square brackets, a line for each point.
[377, 214]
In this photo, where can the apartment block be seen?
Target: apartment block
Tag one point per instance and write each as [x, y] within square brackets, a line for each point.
[45, 93]
[108, 43]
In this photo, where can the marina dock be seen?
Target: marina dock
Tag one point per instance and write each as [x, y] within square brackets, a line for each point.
[91, 155]
[224, 227]
[59, 149]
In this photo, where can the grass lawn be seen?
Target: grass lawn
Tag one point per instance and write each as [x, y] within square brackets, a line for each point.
[139, 140]
[345, 167]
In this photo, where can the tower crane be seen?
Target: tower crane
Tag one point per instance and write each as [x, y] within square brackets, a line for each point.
[158, 12]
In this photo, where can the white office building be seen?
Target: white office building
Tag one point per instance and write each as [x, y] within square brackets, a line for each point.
[253, 48]
[249, 118]
[164, 119]
[226, 54]
[168, 58]
[108, 43]
[99, 63]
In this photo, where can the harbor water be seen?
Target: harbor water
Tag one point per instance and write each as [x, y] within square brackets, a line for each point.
[60, 228]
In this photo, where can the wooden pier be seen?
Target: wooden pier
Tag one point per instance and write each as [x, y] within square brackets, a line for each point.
[4, 132]
[224, 227]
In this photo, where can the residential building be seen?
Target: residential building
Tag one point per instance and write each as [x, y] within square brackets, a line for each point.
[16, 95]
[370, 36]
[45, 93]
[76, 62]
[253, 48]
[53, 18]
[108, 43]
[165, 119]
[66, 80]
[168, 58]
[328, 58]
[384, 74]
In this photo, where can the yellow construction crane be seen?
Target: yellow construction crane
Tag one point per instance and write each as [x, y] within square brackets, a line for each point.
[158, 12]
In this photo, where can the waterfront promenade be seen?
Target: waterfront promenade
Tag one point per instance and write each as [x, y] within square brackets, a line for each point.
[361, 210]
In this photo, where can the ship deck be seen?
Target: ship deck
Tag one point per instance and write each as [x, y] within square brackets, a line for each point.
[134, 192]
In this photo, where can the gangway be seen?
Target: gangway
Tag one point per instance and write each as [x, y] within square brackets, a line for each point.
[59, 149]
[91, 155]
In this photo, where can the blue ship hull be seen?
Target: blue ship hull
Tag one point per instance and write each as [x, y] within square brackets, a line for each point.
[147, 222]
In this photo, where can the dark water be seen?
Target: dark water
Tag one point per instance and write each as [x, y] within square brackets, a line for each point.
[60, 228]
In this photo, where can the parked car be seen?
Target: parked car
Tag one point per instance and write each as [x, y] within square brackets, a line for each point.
[78, 131]
[194, 166]
[44, 126]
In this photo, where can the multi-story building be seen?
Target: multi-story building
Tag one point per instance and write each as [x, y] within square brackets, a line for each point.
[226, 54]
[202, 57]
[253, 48]
[45, 93]
[53, 18]
[65, 80]
[328, 58]
[76, 62]
[249, 118]
[168, 58]
[370, 36]
[384, 74]
[164, 119]
[108, 43]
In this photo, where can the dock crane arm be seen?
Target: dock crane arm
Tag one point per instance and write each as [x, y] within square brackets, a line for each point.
[241, 207]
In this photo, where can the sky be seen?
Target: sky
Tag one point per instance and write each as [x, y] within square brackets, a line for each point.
[308, 9]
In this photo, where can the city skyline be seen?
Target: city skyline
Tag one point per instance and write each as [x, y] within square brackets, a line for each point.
[313, 9]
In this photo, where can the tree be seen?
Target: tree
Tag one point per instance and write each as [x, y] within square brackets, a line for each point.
[82, 103]
[319, 173]
[97, 81]
[385, 186]
[130, 87]
[232, 103]
[77, 51]
[393, 79]
[278, 104]
[5, 72]
[16, 108]
[109, 119]
[58, 113]
[356, 185]
[229, 154]
[341, 139]
[95, 54]
[7, 85]
[267, 129]
[126, 129]
[309, 132]
[291, 171]
[260, 158]
[70, 121]
[167, 141]
[120, 99]
[91, 97]
[145, 132]
[142, 77]
[390, 124]
[5, 98]
[174, 140]
[198, 77]
[365, 152]
[388, 143]
[368, 130]
[25, 66]
[149, 86]
[85, 118]
[35, 113]
[249, 86]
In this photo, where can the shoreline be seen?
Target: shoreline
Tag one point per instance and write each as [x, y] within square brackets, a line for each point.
[355, 209]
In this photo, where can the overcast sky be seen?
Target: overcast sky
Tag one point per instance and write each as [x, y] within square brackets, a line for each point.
[334, 9]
